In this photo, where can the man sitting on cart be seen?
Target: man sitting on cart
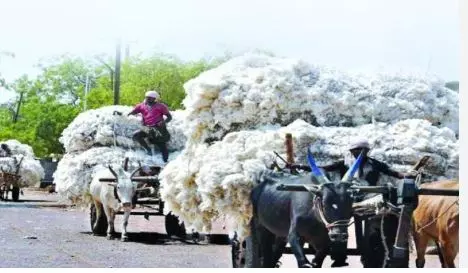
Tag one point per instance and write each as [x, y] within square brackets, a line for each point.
[153, 112]
[370, 170]
[5, 150]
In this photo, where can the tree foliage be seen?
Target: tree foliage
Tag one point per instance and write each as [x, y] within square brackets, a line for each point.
[56, 96]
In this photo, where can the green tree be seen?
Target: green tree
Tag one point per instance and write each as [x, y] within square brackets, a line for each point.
[56, 96]
[158, 72]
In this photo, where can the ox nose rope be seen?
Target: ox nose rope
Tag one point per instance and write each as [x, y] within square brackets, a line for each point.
[328, 225]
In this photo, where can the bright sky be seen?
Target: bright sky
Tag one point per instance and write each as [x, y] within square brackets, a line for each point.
[366, 35]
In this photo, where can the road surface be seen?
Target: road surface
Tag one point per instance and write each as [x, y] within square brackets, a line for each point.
[37, 233]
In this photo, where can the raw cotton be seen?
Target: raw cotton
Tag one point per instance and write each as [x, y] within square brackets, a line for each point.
[99, 127]
[257, 89]
[75, 171]
[207, 182]
[96, 138]
[30, 170]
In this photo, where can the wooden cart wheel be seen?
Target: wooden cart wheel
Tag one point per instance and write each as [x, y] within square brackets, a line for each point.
[161, 207]
[15, 192]
[101, 227]
[2, 192]
[172, 226]
[238, 253]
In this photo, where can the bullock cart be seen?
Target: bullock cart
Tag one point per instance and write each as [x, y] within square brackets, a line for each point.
[147, 202]
[10, 182]
[400, 200]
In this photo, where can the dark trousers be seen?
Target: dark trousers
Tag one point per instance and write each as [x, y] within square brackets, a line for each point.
[156, 136]
[373, 252]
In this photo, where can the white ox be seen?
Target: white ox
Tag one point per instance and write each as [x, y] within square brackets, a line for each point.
[113, 196]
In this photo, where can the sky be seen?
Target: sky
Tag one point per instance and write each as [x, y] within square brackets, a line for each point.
[359, 35]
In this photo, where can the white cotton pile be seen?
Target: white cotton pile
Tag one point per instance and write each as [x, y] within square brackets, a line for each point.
[99, 127]
[207, 182]
[89, 142]
[75, 171]
[30, 170]
[256, 89]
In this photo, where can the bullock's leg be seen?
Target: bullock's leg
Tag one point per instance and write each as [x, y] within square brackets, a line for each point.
[267, 240]
[449, 250]
[98, 206]
[124, 225]
[420, 240]
[297, 247]
[322, 247]
[278, 249]
[252, 250]
[110, 219]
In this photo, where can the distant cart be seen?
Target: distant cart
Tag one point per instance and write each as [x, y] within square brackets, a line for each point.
[10, 182]
[147, 198]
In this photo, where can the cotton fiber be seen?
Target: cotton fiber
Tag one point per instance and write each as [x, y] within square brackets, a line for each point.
[30, 170]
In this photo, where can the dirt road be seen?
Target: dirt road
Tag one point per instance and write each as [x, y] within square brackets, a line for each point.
[37, 233]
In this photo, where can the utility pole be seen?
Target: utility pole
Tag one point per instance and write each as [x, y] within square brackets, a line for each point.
[86, 92]
[117, 75]
[15, 118]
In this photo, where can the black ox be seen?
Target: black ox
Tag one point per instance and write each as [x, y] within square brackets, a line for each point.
[308, 209]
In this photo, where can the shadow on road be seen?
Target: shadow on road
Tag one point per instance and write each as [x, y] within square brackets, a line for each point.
[32, 201]
[152, 238]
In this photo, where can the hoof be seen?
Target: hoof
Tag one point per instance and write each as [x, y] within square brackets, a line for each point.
[109, 237]
[306, 266]
[124, 239]
[420, 263]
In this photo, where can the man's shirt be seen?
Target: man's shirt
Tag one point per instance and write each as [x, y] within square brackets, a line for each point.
[151, 114]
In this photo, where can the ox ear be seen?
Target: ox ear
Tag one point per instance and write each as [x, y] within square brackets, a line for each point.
[351, 171]
[315, 170]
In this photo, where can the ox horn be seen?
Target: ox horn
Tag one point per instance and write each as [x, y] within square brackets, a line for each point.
[125, 165]
[112, 171]
[135, 171]
[315, 170]
[351, 171]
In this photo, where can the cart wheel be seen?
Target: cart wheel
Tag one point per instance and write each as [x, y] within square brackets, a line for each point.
[173, 227]
[101, 227]
[238, 253]
[2, 191]
[161, 207]
[15, 192]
